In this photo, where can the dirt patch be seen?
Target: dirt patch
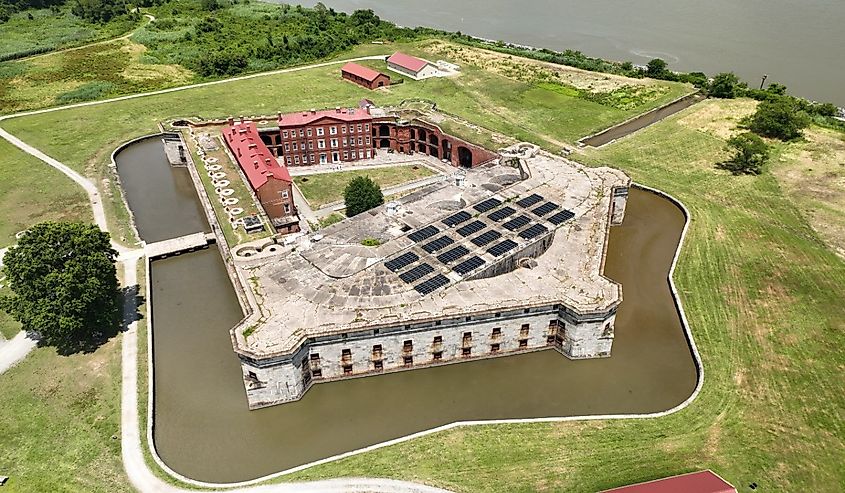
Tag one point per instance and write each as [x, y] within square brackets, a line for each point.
[719, 118]
[526, 69]
[813, 174]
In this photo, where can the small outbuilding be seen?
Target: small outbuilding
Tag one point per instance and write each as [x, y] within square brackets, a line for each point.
[364, 76]
[413, 67]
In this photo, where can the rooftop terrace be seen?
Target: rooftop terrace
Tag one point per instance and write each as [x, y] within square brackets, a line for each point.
[446, 251]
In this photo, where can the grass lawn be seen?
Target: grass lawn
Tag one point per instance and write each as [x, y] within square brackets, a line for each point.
[763, 296]
[50, 31]
[58, 415]
[31, 192]
[323, 189]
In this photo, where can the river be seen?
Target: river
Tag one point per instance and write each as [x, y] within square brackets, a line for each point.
[796, 42]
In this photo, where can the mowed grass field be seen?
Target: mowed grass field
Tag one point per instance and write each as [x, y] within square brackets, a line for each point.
[322, 189]
[762, 291]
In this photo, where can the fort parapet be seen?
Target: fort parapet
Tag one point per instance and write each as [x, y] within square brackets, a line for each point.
[499, 259]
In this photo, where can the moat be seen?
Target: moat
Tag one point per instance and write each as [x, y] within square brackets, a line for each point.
[202, 426]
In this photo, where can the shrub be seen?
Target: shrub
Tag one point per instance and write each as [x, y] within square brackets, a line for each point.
[86, 92]
[726, 85]
[750, 154]
[779, 118]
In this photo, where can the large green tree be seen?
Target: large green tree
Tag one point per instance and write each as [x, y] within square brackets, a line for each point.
[779, 118]
[361, 195]
[64, 283]
[726, 85]
[750, 153]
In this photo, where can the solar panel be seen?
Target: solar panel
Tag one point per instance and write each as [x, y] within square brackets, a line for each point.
[486, 237]
[416, 273]
[471, 228]
[500, 249]
[529, 201]
[469, 264]
[561, 217]
[422, 234]
[430, 285]
[453, 254]
[401, 261]
[487, 205]
[456, 219]
[501, 213]
[533, 231]
[516, 223]
[438, 244]
[545, 208]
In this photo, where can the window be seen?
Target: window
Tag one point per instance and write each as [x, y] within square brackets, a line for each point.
[287, 208]
[332, 130]
[347, 370]
[285, 134]
[376, 349]
[309, 132]
[497, 332]
[467, 351]
[368, 140]
[334, 143]
[317, 373]
[407, 360]
[284, 194]
[287, 159]
[437, 355]
[311, 158]
[359, 127]
[354, 156]
[368, 154]
[408, 346]
[378, 365]
[523, 343]
[252, 375]
[345, 155]
[287, 147]
[343, 129]
[523, 331]
[295, 146]
[302, 132]
[438, 340]
[467, 336]
[360, 141]
[366, 126]
[320, 131]
[321, 144]
[494, 348]
[296, 159]
[346, 353]
[345, 141]
[311, 144]
[550, 339]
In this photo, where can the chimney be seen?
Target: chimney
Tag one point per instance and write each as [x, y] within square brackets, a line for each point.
[231, 121]
[337, 109]
[313, 111]
[255, 163]
[239, 152]
[280, 116]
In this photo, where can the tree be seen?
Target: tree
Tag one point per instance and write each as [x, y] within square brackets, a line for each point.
[725, 85]
[779, 118]
[64, 283]
[750, 154]
[361, 195]
[210, 5]
[656, 68]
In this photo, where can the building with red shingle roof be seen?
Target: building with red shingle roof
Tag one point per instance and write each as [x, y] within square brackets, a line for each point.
[413, 67]
[364, 76]
[270, 180]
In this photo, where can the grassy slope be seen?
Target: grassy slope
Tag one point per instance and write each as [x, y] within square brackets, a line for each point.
[763, 297]
[53, 31]
[31, 192]
[323, 189]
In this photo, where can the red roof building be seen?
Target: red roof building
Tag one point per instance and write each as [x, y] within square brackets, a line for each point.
[694, 482]
[322, 137]
[364, 76]
[413, 67]
[270, 180]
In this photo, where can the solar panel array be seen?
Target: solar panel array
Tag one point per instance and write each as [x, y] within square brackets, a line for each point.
[471, 228]
[561, 217]
[516, 223]
[530, 200]
[469, 265]
[438, 244]
[545, 208]
[501, 248]
[430, 285]
[422, 234]
[486, 237]
[456, 219]
[533, 232]
[401, 261]
[416, 273]
[486, 205]
[501, 213]
[453, 254]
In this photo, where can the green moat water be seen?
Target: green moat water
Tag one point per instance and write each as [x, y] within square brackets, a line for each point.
[204, 430]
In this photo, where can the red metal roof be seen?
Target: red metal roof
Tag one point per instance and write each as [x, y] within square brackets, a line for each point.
[361, 71]
[256, 161]
[409, 62]
[694, 482]
[339, 114]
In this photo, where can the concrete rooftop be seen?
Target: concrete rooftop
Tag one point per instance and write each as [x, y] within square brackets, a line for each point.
[337, 285]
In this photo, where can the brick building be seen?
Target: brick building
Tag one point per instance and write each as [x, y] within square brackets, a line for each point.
[425, 138]
[364, 76]
[270, 181]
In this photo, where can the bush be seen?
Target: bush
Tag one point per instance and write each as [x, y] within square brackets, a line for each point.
[87, 92]
[361, 195]
[779, 118]
[750, 154]
[726, 85]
